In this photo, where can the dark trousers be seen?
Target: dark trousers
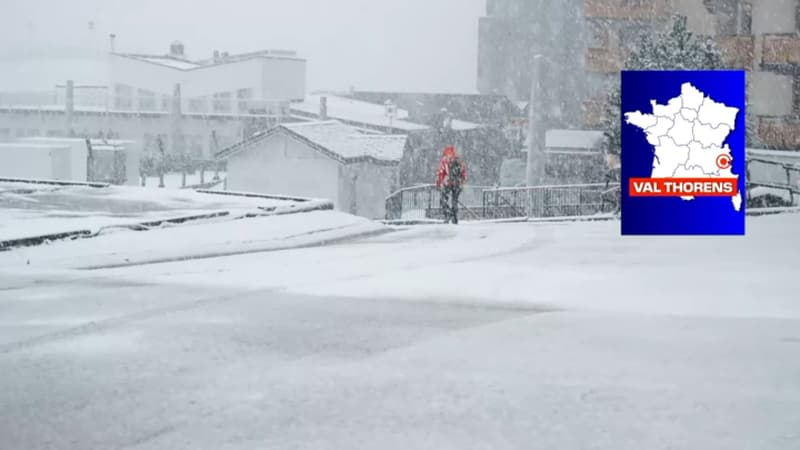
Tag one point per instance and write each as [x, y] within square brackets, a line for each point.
[449, 203]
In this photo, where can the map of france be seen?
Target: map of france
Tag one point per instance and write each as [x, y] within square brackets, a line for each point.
[687, 135]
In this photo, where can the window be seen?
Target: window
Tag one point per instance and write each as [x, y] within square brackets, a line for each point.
[222, 102]
[197, 105]
[55, 133]
[244, 96]
[5, 133]
[123, 97]
[147, 100]
[33, 132]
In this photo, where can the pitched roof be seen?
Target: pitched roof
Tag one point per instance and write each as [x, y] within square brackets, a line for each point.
[342, 142]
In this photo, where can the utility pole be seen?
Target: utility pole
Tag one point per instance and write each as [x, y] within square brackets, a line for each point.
[535, 172]
[536, 128]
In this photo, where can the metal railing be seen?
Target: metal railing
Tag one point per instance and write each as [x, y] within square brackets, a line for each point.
[483, 202]
[569, 200]
[424, 201]
[790, 185]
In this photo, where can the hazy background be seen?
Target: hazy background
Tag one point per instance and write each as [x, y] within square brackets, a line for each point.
[408, 45]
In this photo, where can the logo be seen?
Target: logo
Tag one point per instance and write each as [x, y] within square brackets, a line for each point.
[683, 146]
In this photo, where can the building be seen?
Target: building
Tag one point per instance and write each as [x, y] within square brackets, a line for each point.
[71, 159]
[426, 107]
[571, 157]
[377, 117]
[483, 147]
[585, 42]
[353, 167]
[35, 160]
[222, 84]
[193, 106]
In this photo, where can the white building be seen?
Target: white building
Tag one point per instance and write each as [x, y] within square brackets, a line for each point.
[223, 98]
[354, 168]
[35, 160]
[69, 159]
[223, 84]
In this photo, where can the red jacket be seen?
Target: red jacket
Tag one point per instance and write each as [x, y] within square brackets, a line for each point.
[443, 174]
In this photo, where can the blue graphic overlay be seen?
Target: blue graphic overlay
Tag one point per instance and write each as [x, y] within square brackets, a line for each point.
[702, 215]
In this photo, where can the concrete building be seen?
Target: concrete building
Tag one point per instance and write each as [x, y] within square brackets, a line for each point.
[586, 42]
[196, 106]
[223, 84]
[353, 167]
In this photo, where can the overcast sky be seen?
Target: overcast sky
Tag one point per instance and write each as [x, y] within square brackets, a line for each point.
[410, 45]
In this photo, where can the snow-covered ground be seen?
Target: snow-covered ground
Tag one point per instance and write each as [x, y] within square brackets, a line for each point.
[583, 266]
[37, 209]
[200, 239]
[476, 336]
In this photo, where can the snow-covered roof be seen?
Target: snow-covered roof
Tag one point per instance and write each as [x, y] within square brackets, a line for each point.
[357, 111]
[340, 141]
[573, 139]
[15, 145]
[186, 64]
[367, 113]
[169, 61]
[463, 125]
[349, 142]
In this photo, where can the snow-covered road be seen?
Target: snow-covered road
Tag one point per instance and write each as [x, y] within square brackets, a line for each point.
[472, 337]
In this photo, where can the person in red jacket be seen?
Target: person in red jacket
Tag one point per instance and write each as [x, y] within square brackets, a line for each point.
[450, 178]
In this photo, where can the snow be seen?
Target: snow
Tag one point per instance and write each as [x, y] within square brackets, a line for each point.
[347, 142]
[580, 266]
[356, 111]
[195, 240]
[536, 336]
[167, 61]
[783, 194]
[573, 139]
[785, 156]
[31, 210]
